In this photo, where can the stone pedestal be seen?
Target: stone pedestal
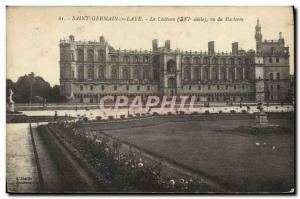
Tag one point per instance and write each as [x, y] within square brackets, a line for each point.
[262, 119]
[11, 107]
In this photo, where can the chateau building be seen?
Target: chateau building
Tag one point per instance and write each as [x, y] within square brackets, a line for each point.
[91, 70]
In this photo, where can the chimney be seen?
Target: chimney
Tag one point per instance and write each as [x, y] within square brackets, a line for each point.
[167, 44]
[154, 44]
[235, 48]
[211, 47]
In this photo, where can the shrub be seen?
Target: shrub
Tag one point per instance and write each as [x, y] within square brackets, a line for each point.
[194, 113]
[232, 111]
[110, 117]
[98, 118]
[122, 116]
[220, 112]
[155, 114]
[85, 119]
[138, 115]
[181, 112]
[130, 115]
[206, 112]
[244, 111]
[169, 113]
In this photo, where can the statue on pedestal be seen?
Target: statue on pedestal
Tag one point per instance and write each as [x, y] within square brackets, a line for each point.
[11, 106]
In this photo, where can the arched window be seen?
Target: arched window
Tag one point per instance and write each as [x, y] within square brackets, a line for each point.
[101, 56]
[101, 72]
[136, 73]
[223, 61]
[232, 61]
[196, 73]
[125, 74]
[114, 73]
[171, 66]
[239, 74]
[186, 60]
[215, 74]
[146, 59]
[90, 72]
[271, 76]
[80, 56]
[172, 82]
[223, 73]
[136, 59]
[205, 74]
[155, 74]
[80, 72]
[126, 59]
[247, 75]
[186, 73]
[215, 60]
[90, 56]
[272, 50]
[240, 61]
[145, 73]
[196, 60]
[114, 58]
[231, 74]
[205, 60]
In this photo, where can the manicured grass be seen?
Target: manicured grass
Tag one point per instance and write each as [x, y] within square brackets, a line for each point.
[246, 162]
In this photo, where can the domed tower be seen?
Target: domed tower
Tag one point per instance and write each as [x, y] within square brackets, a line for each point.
[258, 37]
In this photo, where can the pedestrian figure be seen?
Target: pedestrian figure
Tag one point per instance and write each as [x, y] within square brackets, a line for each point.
[55, 116]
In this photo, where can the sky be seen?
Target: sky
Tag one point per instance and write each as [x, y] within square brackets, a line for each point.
[33, 33]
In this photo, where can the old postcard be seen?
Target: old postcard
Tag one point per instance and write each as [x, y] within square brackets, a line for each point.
[150, 100]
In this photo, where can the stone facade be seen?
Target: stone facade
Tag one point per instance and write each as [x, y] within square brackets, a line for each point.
[90, 70]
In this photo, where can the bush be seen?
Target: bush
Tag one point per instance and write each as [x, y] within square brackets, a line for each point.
[181, 112]
[110, 117]
[194, 113]
[155, 114]
[130, 115]
[232, 111]
[220, 112]
[138, 115]
[98, 118]
[85, 119]
[244, 111]
[206, 112]
[122, 116]
[169, 113]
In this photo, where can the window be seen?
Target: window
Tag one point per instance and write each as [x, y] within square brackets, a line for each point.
[80, 72]
[208, 87]
[226, 87]
[148, 87]
[278, 75]
[125, 74]
[136, 59]
[81, 87]
[232, 61]
[114, 73]
[186, 60]
[271, 87]
[138, 87]
[114, 58]
[91, 87]
[72, 55]
[146, 59]
[271, 76]
[270, 60]
[199, 87]
[190, 87]
[218, 87]
[277, 59]
[186, 73]
[90, 56]
[81, 100]
[101, 56]
[196, 60]
[115, 87]
[80, 55]
[91, 72]
[223, 61]
[101, 72]
[126, 59]
[234, 87]
[215, 60]
[243, 87]
[278, 87]
[102, 87]
[91, 100]
[127, 87]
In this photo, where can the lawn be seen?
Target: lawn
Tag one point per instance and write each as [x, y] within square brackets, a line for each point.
[246, 162]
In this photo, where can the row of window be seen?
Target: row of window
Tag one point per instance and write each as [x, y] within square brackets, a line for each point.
[276, 60]
[91, 87]
[219, 87]
[272, 75]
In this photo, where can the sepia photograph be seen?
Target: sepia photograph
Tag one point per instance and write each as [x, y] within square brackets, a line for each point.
[150, 99]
